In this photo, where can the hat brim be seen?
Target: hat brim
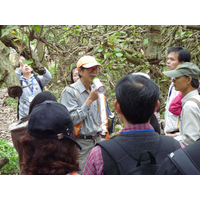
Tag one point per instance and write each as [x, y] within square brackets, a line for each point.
[173, 73]
[91, 65]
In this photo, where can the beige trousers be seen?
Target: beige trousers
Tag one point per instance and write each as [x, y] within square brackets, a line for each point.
[86, 145]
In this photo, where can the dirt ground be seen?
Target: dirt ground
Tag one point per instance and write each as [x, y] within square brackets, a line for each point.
[7, 116]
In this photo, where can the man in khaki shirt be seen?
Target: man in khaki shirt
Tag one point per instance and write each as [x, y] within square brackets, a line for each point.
[81, 99]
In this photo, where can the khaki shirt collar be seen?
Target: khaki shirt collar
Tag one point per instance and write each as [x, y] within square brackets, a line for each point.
[80, 87]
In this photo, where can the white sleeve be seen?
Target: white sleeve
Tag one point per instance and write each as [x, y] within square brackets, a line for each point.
[190, 118]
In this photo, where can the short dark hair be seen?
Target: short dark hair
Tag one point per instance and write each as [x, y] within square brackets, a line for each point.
[82, 69]
[137, 97]
[184, 54]
[194, 82]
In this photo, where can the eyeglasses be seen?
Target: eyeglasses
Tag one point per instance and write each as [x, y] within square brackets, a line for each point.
[176, 78]
[91, 69]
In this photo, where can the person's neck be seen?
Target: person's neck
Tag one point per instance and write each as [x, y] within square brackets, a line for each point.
[126, 123]
[86, 84]
[188, 90]
[27, 75]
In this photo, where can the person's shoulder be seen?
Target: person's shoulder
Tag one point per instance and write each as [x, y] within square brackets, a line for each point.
[74, 85]
[68, 88]
[96, 148]
[190, 103]
[96, 151]
[197, 97]
[18, 125]
[171, 140]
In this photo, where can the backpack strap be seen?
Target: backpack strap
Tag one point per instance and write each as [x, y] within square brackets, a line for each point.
[119, 154]
[39, 82]
[78, 126]
[187, 159]
[184, 162]
[195, 100]
[75, 91]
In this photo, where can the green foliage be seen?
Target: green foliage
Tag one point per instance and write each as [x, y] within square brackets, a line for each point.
[3, 85]
[111, 44]
[53, 70]
[6, 150]
[18, 39]
[165, 68]
[145, 41]
[162, 116]
[57, 90]
[119, 54]
[134, 54]
[37, 28]
[12, 102]
[28, 62]
[8, 29]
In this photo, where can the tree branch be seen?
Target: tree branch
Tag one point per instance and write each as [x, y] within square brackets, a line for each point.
[129, 58]
[194, 27]
[3, 162]
[10, 40]
[8, 74]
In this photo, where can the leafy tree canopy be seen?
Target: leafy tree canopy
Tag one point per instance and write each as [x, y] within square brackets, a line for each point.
[121, 49]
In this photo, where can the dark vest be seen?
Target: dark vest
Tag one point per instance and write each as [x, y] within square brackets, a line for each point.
[136, 143]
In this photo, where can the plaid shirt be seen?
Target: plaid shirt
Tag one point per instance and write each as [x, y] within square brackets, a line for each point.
[94, 162]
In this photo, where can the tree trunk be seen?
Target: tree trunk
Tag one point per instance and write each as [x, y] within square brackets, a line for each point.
[64, 68]
[41, 53]
[3, 162]
[153, 53]
[8, 74]
[10, 40]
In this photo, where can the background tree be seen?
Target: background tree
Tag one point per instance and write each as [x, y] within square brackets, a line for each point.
[122, 49]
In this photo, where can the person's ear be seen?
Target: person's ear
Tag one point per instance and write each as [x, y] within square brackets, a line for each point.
[189, 79]
[157, 106]
[117, 107]
[79, 71]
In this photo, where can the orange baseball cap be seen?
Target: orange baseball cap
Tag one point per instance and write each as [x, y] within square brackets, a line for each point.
[87, 62]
